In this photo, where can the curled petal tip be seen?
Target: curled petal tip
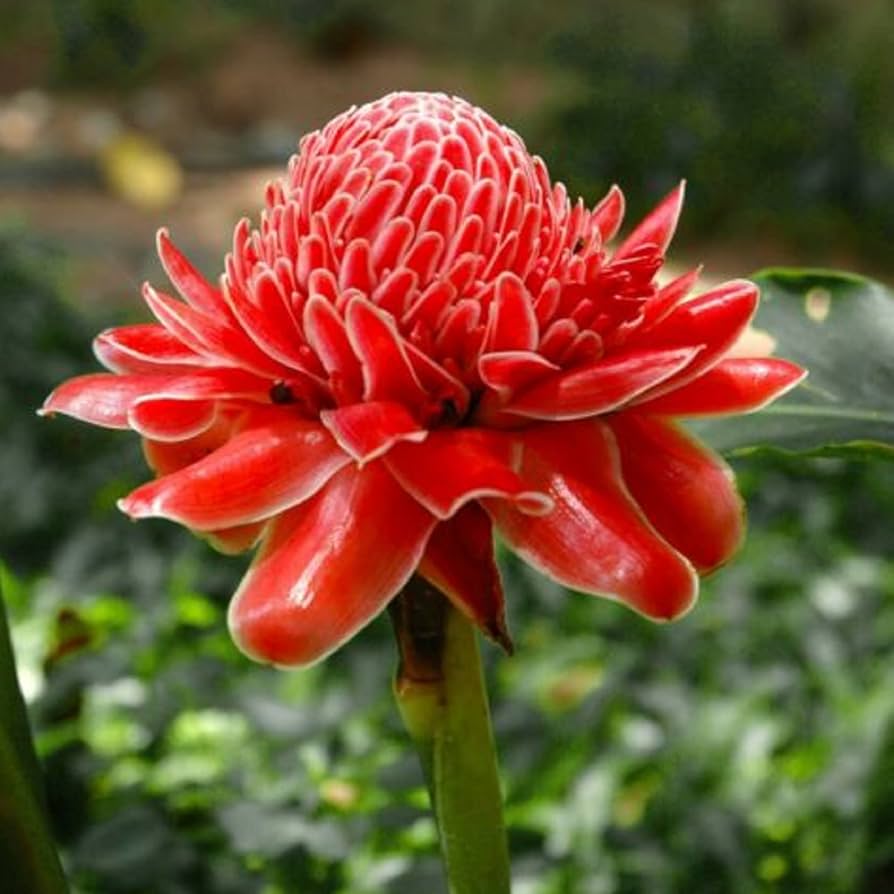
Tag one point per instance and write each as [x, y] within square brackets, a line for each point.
[499, 633]
[134, 507]
[534, 502]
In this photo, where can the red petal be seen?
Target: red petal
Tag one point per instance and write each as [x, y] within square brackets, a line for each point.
[259, 472]
[738, 385]
[512, 324]
[326, 334]
[714, 320]
[105, 399]
[99, 398]
[459, 561]
[375, 209]
[267, 320]
[686, 491]
[144, 348]
[429, 306]
[510, 371]
[608, 214]
[187, 280]
[171, 420]
[668, 297]
[232, 541]
[327, 568]
[387, 371]
[596, 539]
[657, 228]
[600, 386]
[210, 336]
[165, 457]
[437, 382]
[454, 466]
[367, 430]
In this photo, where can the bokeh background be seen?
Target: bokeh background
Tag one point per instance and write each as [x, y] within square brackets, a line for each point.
[748, 748]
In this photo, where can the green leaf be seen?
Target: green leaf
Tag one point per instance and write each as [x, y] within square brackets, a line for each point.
[27, 853]
[841, 328]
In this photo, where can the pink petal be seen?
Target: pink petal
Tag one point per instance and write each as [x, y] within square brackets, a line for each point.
[367, 430]
[739, 385]
[596, 538]
[171, 420]
[387, 372]
[453, 466]
[326, 568]
[459, 561]
[686, 491]
[259, 472]
[600, 386]
[657, 228]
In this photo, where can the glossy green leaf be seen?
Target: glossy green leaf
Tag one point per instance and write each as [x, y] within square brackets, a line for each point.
[841, 328]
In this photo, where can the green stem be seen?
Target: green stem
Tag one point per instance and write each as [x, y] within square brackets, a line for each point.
[27, 853]
[440, 691]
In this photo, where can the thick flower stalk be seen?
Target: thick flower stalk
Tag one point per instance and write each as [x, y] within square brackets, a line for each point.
[425, 339]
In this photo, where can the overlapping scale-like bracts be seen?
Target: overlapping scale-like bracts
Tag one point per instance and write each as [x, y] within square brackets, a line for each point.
[424, 337]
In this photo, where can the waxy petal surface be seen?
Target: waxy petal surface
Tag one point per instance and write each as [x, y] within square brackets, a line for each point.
[714, 320]
[739, 385]
[171, 420]
[459, 561]
[186, 279]
[144, 348]
[211, 336]
[686, 490]
[596, 539]
[387, 371]
[507, 372]
[657, 228]
[235, 540]
[454, 466]
[257, 473]
[327, 568]
[600, 386]
[105, 398]
[368, 430]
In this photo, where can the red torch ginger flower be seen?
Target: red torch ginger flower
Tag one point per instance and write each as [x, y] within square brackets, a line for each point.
[425, 339]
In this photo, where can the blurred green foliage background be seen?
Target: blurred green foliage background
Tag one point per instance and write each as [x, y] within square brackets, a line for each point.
[744, 750]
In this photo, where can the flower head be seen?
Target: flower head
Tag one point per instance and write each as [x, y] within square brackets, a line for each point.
[423, 339]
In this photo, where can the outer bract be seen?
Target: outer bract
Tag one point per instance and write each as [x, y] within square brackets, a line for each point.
[424, 339]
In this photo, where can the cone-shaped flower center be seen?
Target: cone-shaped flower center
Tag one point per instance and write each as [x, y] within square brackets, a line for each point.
[419, 216]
